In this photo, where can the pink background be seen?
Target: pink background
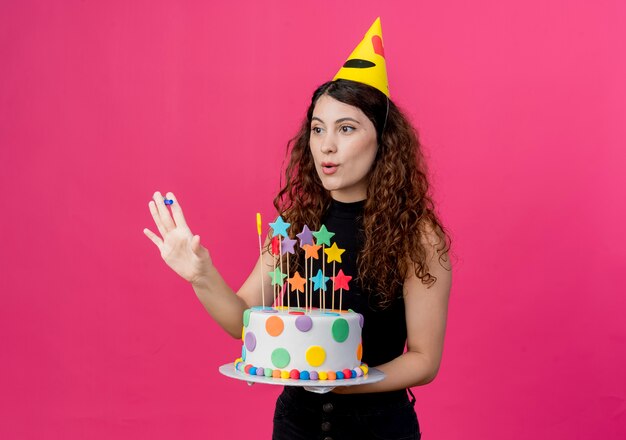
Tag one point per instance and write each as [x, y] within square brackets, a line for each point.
[521, 107]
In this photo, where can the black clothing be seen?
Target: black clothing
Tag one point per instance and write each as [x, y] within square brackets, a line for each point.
[301, 414]
[384, 331]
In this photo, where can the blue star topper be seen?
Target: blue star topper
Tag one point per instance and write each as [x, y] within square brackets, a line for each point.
[279, 227]
[319, 281]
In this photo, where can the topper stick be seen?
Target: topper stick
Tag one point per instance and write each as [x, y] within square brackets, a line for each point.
[288, 295]
[334, 274]
[274, 301]
[311, 289]
[280, 255]
[306, 285]
[340, 297]
[258, 229]
[320, 296]
[323, 275]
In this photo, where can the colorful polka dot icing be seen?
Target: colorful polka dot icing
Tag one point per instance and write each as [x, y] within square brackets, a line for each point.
[304, 323]
[341, 330]
[280, 358]
[315, 355]
[293, 344]
[250, 341]
[274, 325]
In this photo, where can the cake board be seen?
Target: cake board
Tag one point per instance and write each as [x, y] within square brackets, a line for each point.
[314, 386]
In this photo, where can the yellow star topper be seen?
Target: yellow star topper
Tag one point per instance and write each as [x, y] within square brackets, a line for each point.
[334, 253]
[366, 64]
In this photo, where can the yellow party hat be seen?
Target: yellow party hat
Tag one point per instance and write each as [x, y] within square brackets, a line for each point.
[366, 63]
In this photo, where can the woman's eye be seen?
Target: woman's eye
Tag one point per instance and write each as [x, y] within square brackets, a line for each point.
[347, 128]
[316, 130]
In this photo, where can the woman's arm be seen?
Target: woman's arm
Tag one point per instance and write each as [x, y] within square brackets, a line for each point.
[182, 251]
[227, 308]
[426, 314]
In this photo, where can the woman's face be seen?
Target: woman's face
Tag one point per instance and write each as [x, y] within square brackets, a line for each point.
[343, 144]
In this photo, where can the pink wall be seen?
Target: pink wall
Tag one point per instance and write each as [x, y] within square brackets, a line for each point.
[522, 108]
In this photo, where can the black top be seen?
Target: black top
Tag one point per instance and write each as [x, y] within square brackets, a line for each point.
[384, 330]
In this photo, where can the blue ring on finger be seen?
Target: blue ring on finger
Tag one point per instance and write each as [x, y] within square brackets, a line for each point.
[168, 201]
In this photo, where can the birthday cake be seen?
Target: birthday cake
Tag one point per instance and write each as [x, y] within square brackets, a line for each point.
[304, 343]
[298, 344]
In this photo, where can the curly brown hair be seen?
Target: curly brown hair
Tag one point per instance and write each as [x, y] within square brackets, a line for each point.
[399, 216]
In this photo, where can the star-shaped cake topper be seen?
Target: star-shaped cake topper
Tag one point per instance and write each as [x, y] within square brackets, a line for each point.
[277, 276]
[311, 250]
[279, 227]
[319, 281]
[341, 280]
[334, 253]
[305, 236]
[275, 245]
[287, 246]
[323, 236]
[297, 282]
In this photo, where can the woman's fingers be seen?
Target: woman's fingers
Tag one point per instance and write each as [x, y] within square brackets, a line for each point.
[155, 238]
[164, 214]
[199, 251]
[195, 244]
[157, 218]
[177, 211]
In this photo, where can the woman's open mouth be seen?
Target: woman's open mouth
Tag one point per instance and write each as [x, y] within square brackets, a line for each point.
[329, 168]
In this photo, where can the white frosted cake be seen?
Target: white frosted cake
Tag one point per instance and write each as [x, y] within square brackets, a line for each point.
[294, 344]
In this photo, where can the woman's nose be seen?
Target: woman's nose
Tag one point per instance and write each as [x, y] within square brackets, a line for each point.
[329, 144]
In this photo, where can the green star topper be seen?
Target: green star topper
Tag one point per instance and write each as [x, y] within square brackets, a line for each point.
[323, 236]
[277, 277]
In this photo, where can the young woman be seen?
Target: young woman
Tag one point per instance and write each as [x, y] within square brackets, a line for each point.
[356, 167]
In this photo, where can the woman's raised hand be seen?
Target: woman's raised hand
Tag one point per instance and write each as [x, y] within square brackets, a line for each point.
[180, 249]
